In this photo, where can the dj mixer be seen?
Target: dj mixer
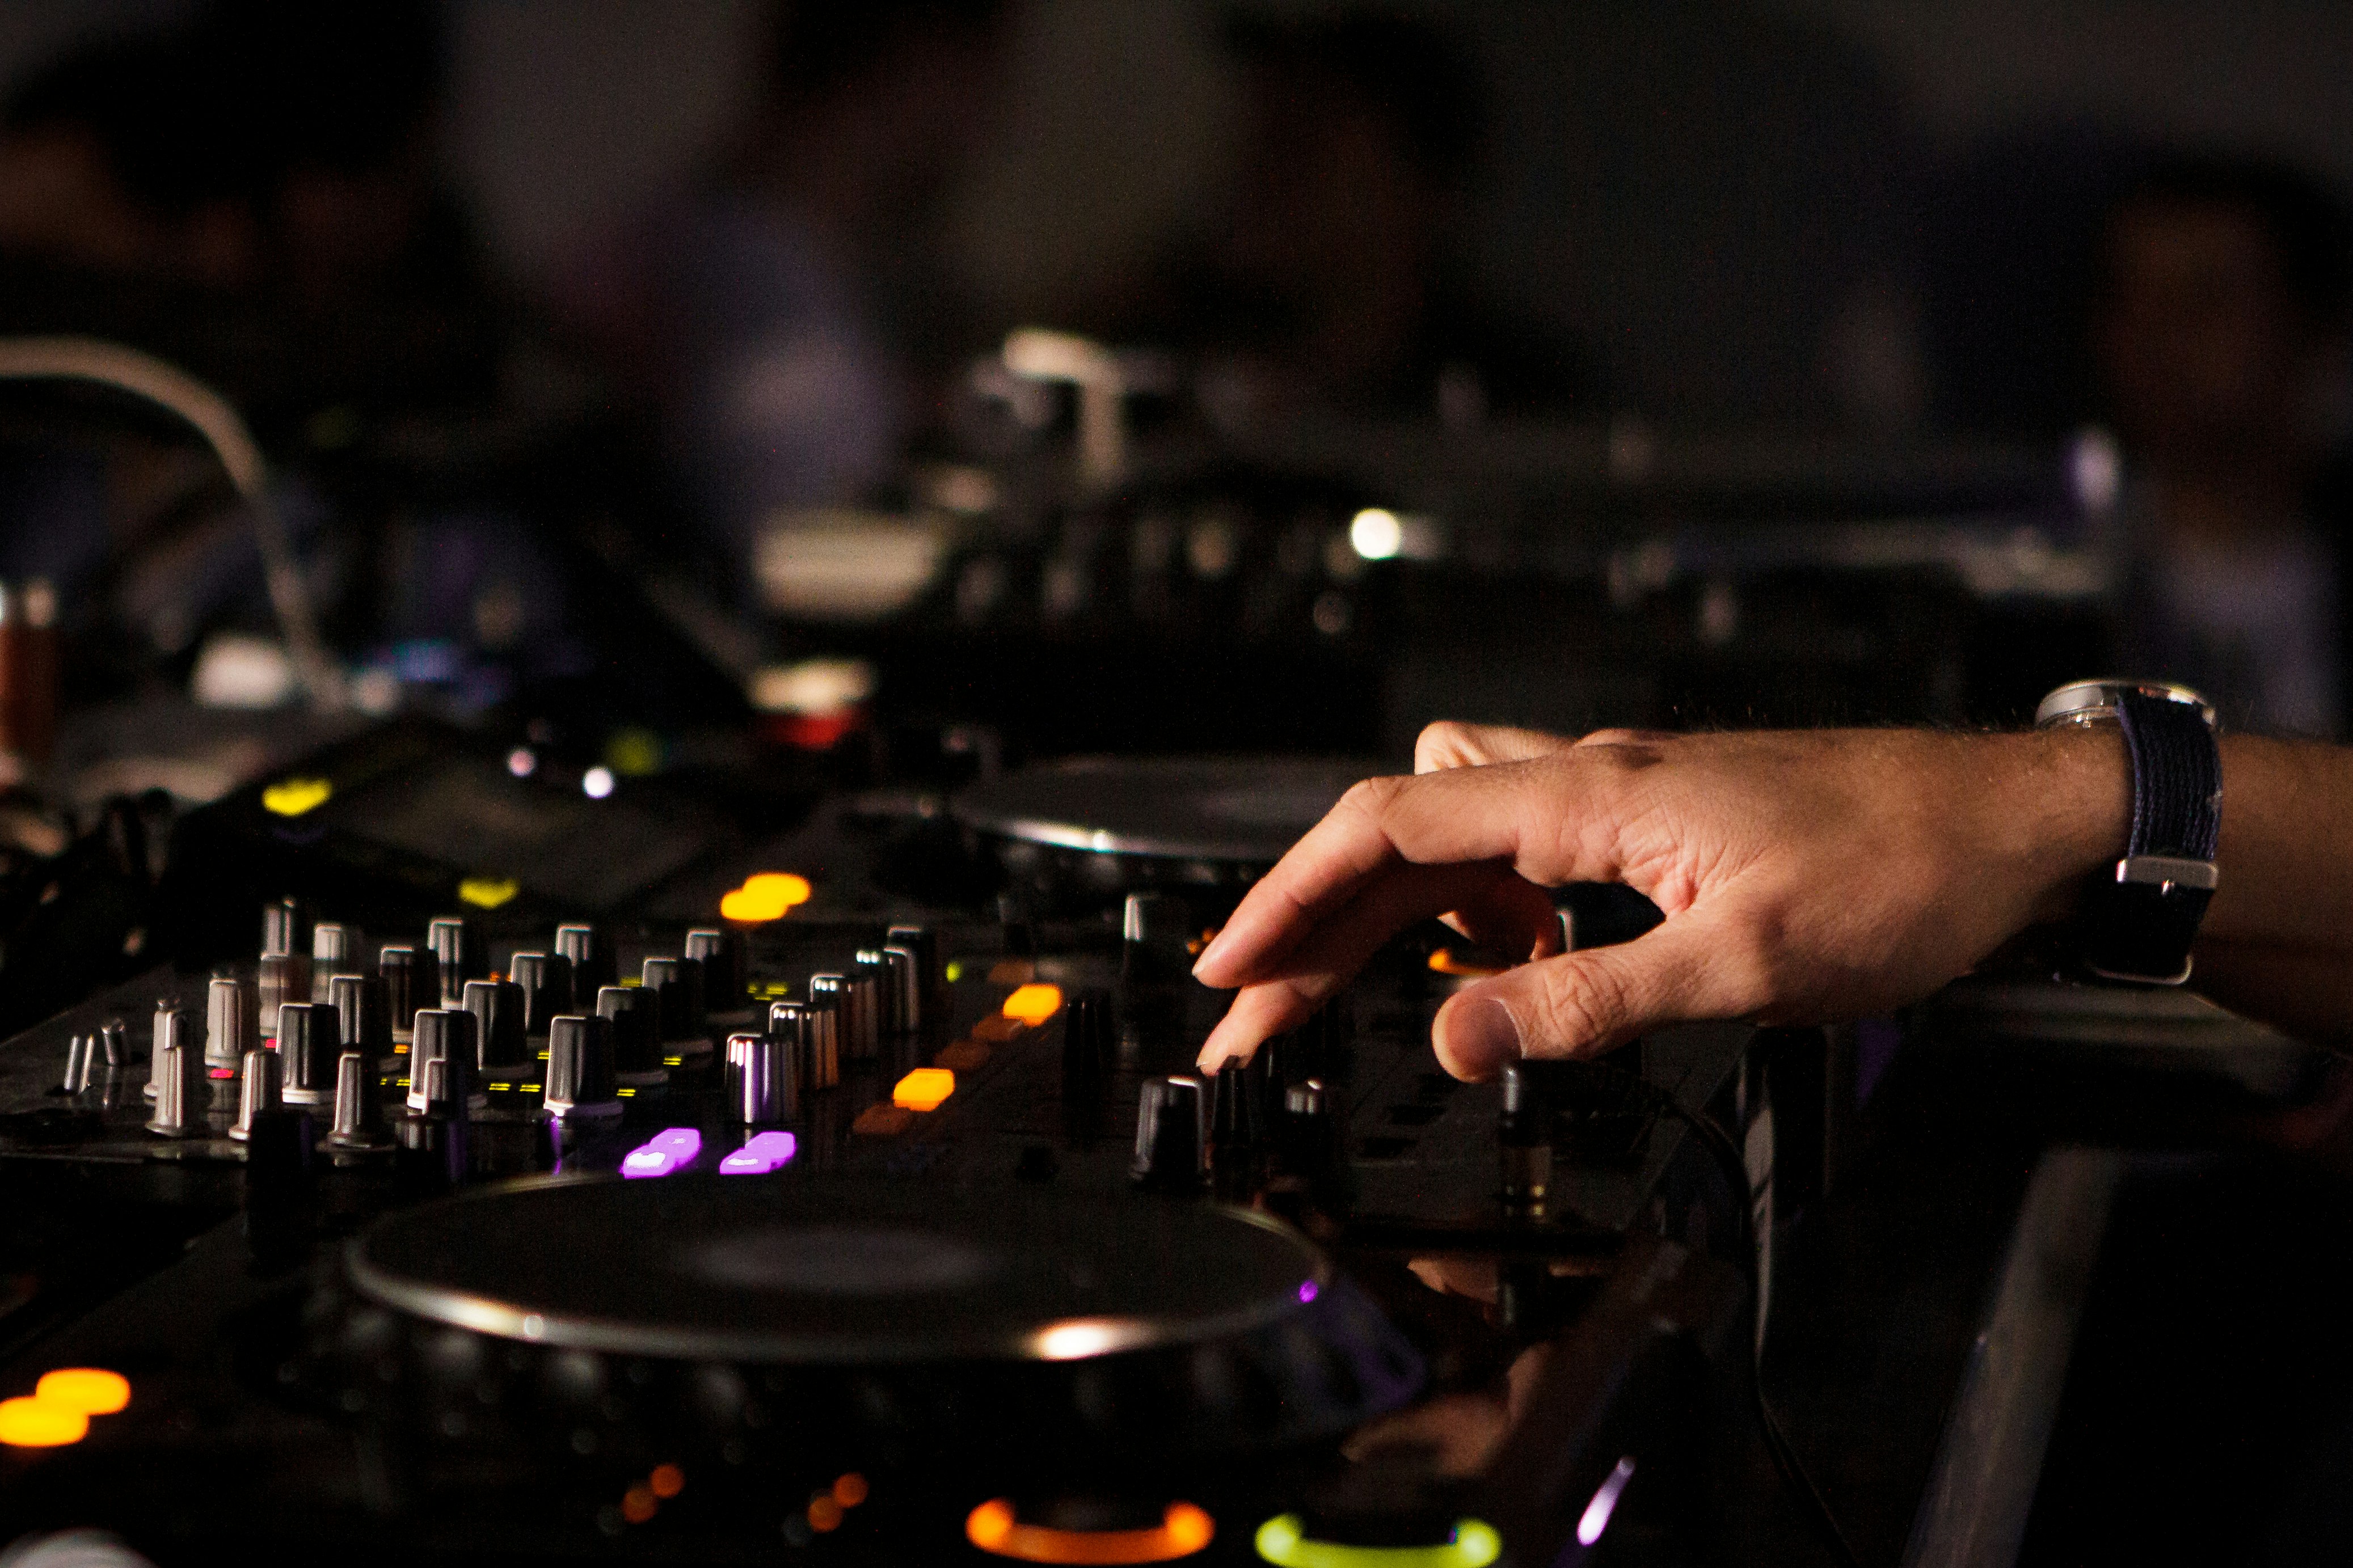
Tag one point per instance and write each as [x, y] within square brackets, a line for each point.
[625, 1184]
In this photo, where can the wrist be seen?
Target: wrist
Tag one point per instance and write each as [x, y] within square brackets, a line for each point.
[2072, 799]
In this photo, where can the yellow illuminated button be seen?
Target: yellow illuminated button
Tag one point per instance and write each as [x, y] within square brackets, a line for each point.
[34, 1422]
[487, 892]
[1033, 1004]
[996, 1529]
[925, 1089]
[1283, 1541]
[292, 797]
[84, 1388]
[764, 896]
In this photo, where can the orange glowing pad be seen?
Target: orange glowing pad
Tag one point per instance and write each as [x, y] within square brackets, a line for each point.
[84, 1388]
[1445, 960]
[1033, 1004]
[994, 1527]
[925, 1089]
[764, 897]
[30, 1423]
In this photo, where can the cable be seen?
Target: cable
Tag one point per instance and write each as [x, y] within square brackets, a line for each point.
[1734, 1170]
[211, 416]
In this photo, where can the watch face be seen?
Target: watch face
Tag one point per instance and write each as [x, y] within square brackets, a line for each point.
[2095, 701]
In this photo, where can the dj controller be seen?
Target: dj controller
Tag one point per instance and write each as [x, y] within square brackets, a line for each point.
[566, 1178]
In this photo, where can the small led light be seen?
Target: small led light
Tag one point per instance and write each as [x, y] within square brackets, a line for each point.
[1308, 1291]
[666, 1481]
[87, 1389]
[597, 783]
[292, 797]
[637, 1504]
[997, 1529]
[766, 897]
[34, 1422]
[522, 761]
[1595, 1518]
[668, 1151]
[487, 892]
[925, 1089]
[1033, 1004]
[824, 1514]
[849, 1489]
[1376, 533]
[1283, 1541]
[1445, 960]
[761, 1152]
[1075, 1338]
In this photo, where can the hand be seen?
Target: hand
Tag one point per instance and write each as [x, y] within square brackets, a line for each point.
[1804, 875]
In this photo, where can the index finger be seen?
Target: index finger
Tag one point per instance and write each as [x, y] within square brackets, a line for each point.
[1515, 813]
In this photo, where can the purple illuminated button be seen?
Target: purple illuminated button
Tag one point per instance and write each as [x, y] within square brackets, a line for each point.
[763, 1153]
[673, 1148]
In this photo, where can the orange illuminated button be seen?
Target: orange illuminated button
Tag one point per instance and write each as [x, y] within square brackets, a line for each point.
[34, 1422]
[764, 897]
[925, 1089]
[84, 1388]
[1445, 960]
[1033, 1004]
[995, 1529]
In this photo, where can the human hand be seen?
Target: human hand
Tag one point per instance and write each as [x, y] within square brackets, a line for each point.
[1804, 876]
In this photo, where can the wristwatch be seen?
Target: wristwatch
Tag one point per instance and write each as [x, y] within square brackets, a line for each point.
[2140, 916]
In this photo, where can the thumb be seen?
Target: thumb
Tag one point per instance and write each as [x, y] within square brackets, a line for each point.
[1581, 1003]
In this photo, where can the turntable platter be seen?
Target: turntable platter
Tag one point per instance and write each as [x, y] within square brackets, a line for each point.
[834, 1271]
[1245, 810]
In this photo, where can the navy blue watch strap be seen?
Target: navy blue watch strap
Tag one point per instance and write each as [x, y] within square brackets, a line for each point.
[2177, 772]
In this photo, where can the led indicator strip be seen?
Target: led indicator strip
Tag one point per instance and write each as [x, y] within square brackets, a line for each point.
[998, 1531]
[761, 1152]
[673, 1148]
[1283, 1541]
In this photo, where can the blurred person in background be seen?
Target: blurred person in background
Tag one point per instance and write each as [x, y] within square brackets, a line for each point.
[745, 314]
[1327, 284]
[2220, 344]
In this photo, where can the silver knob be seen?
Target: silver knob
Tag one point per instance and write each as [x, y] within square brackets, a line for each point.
[580, 1079]
[361, 1023]
[724, 961]
[497, 1006]
[280, 978]
[178, 1066]
[591, 957]
[358, 1127]
[412, 980]
[763, 1086]
[458, 953]
[309, 1038]
[335, 949]
[232, 1022]
[258, 1091]
[78, 1052]
[443, 1035]
[113, 1043]
[821, 1027]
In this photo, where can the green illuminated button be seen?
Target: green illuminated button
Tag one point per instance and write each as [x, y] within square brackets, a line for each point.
[1283, 1541]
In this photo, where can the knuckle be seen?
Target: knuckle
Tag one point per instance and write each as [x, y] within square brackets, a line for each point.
[1577, 1006]
[1371, 799]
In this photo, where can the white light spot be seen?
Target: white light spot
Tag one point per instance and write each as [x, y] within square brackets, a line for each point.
[2096, 467]
[1597, 1514]
[1376, 534]
[597, 783]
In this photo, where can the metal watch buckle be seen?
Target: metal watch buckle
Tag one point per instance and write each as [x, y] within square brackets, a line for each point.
[2166, 872]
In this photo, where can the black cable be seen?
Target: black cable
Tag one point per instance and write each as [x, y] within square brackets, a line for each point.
[1734, 1170]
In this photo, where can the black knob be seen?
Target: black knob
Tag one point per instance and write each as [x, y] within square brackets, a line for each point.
[1524, 1132]
[285, 929]
[636, 1053]
[1171, 1134]
[1154, 930]
[441, 1062]
[361, 1022]
[1238, 1108]
[546, 982]
[811, 1039]
[594, 967]
[676, 986]
[498, 1009]
[459, 952]
[309, 1039]
[762, 1082]
[895, 1009]
[580, 1081]
[930, 997]
[726, 967]
[412, 981]
[1090, 1040]
[1020, 930]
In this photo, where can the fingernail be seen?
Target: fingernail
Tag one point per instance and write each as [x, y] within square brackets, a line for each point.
[1478, 1036]
[1209, 953]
